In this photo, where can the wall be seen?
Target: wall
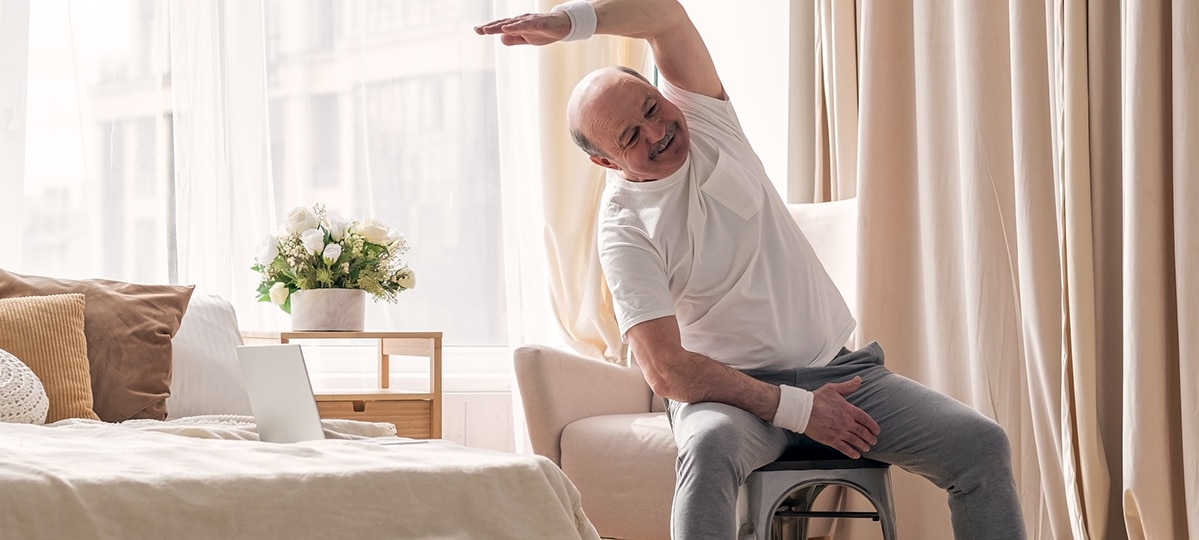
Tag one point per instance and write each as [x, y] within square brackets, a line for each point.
[752, 51]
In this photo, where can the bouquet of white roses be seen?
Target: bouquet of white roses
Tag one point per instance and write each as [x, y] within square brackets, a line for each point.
[316, 250]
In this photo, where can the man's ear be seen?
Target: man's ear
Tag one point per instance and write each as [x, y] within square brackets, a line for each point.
[605, 163]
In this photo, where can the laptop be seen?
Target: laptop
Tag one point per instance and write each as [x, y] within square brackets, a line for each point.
[280, 393]
[281, 397]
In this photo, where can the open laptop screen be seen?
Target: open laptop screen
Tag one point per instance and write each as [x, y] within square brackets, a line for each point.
[280, 393]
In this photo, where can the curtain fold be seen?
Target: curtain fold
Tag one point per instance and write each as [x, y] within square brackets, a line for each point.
[1185, 112]
[1026, 183]
[1154, 498]
[1086, 467]
[14, 70]
[222, 178]
[836, 173]
[954, 139]
[569, 184]
[573, 186]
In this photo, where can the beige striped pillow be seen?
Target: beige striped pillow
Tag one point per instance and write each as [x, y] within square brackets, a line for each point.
[46, 332]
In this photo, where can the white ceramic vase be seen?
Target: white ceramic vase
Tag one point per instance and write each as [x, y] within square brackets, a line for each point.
[324, 310]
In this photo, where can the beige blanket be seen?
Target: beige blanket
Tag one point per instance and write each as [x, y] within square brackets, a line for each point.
[209, 477]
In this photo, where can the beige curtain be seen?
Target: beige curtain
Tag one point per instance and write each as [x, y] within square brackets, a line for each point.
[572, 187]
[1027, 179]
[958, 245]
[535, 85]
[1158, 107]
[836, 104]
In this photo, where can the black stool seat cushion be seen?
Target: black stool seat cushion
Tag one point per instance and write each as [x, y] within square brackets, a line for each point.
[811, 455]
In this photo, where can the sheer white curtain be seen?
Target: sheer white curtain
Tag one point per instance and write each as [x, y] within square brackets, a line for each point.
[380, 109]
[222, 175]
[90, 192]
[166, 139]
[14, 62]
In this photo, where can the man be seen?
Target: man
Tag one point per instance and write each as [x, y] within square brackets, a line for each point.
[723, 302]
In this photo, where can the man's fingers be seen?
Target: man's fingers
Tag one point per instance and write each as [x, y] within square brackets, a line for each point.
[522, 23]
[846, 449]
[509, 39]
[867, 422]
[865, 435]
[493, 27]
[848, 387]
[859, 442]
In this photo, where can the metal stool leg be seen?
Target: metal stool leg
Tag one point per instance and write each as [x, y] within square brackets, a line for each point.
[806, 499]
[764, 491]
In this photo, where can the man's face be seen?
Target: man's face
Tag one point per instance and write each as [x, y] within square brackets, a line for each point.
[642, 135]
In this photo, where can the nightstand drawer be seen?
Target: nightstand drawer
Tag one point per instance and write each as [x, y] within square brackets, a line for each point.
[412, 417]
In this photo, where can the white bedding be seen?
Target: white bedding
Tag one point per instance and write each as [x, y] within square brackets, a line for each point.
[209, 477]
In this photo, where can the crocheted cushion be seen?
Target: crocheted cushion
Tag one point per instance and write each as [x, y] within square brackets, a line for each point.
[22, 398]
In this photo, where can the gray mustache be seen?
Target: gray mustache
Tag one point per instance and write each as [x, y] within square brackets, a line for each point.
[670, 131]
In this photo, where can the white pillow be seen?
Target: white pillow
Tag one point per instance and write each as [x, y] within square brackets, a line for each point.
[206, 378]
[22, 397]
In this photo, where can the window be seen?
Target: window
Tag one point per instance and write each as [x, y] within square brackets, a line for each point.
[372, 107]
[324, 128]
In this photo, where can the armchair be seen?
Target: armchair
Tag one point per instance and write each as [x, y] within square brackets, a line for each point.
[604, 427]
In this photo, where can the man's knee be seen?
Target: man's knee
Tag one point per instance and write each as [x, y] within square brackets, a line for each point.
[707, 443]
[717, 449]
[990, 442]
[986, 457]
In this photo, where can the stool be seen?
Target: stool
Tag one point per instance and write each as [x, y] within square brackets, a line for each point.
[805, 474]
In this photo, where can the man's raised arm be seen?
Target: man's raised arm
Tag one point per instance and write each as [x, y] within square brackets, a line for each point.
[679, 51]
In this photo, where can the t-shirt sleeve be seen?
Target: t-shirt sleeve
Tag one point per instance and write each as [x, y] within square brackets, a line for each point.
[636, 276]
[705, 113]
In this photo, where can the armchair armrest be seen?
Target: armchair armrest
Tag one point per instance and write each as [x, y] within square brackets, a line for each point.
[559, 387]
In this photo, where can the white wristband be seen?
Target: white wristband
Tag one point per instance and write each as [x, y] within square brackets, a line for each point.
[795, 409]
[582, 19]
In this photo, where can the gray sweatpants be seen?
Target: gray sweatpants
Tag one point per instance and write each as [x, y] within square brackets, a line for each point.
[923, 431]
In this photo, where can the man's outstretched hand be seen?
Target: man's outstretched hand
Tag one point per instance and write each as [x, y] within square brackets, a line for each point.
[528, 29]
[837, 423]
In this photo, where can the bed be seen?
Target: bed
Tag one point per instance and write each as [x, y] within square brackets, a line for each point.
[149, 436]
[209, 477]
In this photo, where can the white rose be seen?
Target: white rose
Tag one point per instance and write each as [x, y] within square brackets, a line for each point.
[373, 230]
[407, 279]
[338, 227]
[279, 293]
[268, 251]
[332, 252]
[395, 240]
[313, 240]
[301, 219]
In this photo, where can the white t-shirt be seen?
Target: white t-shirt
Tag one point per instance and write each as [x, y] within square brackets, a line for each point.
[714, 245]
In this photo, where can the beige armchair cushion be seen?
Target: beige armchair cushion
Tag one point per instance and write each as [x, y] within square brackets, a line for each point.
[558, 387]
[623, 465]
[594, 420]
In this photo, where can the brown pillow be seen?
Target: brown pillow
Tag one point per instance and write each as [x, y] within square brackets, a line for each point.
[129, 329]
[46, 333]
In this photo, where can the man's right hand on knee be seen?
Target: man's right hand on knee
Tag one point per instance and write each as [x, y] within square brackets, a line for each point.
[837, 423]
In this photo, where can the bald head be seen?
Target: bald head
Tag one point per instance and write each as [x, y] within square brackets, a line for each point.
[587, 91]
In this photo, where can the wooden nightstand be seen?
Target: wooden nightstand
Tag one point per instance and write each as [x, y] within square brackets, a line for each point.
[415, 414]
